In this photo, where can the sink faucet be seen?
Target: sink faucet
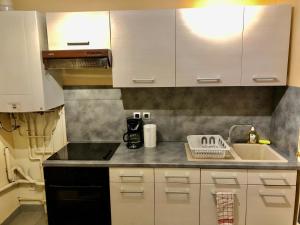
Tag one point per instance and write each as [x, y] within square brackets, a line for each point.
[233, 127]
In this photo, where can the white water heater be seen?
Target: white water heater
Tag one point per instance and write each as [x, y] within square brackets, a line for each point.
[6, 5]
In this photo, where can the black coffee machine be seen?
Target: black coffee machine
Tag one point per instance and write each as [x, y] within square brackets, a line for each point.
[134, 135]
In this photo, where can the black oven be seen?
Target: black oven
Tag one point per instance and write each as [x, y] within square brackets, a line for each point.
[77, 196]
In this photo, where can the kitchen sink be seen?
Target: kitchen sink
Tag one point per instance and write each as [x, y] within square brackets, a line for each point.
[257, 153]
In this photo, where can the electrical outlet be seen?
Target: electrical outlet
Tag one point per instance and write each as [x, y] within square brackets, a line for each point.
[146, 115]
[137, 115]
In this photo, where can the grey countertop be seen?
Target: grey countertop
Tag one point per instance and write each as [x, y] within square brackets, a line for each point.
[170, 154]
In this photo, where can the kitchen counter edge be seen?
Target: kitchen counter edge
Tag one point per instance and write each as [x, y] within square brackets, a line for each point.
[169, 155]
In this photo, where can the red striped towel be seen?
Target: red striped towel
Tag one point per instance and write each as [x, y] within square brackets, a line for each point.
[225, 208]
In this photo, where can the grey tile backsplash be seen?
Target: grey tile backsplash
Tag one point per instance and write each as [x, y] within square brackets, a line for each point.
[99, 114]
[285, 121]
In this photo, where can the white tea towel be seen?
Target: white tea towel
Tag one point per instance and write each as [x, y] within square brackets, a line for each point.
[225, 208]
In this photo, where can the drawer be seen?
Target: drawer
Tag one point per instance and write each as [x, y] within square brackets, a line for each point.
[131, 175]
[271, 177]
[177, 204]
[132, 203]
[177, 175]
[224, 176]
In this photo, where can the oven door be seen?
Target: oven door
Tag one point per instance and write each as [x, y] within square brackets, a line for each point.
[78, 205]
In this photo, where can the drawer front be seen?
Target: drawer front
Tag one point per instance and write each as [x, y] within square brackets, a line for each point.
[191, 176]
[177, 204]
[270, 205]
[224, 177]
[271, 177]
[132, 203]
[208, 206]
[131, 175]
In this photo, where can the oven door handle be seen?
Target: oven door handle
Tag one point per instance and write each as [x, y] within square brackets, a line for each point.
[73, 187]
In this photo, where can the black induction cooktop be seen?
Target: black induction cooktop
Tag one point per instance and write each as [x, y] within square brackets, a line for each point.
[86, 151]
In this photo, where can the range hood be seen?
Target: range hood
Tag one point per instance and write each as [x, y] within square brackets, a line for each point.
[77, 59]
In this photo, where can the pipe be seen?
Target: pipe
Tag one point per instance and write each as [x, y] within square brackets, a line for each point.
[10, 185]
[10, 175]
[9, 172]
[36, 159]
[50, 137]
[35, 136]
[30, 143]
[30, 150]
[4, 188]
[27, 119]
[46, 123]
[28, 178]
[33, 118]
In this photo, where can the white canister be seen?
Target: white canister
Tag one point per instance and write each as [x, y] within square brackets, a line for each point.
[150, 135]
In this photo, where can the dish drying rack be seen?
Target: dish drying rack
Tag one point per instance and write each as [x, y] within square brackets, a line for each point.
[208, 146]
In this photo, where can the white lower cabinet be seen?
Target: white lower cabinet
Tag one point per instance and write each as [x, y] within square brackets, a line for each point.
[208, 203]
[176, 204]
[132, 196]
[270, 205]
[172, 196]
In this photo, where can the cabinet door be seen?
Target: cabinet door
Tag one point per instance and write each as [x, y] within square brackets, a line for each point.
[78, 30]
[209, 46]
[176, 204]
[270, 205]
[266, 45]
[132, 203]
[15, 56]
[143, 48]
[208, 203]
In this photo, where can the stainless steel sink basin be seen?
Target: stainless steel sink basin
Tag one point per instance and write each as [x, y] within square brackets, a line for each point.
[257, 153]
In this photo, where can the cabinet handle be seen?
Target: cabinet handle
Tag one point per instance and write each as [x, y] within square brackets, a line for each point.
[265, 79]
[124, 191]
[279, 177]
[186, 191]
[140, 175]
[143, 80]
[208, 80]
[272, 194]
[228, 177]
[174, 176]
[215, 192]
[78, 43]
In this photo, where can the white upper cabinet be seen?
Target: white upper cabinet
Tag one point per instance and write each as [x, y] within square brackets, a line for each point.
[266, 45]
[24, 84]
[78, 30]
[143, 48]
[209, 46]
